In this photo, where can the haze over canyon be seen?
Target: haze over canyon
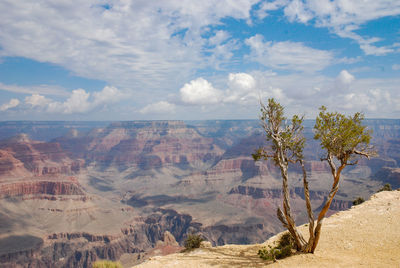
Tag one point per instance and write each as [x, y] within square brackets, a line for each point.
[75, 192]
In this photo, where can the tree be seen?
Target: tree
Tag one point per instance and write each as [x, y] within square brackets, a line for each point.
[287, 144]
[343, 138]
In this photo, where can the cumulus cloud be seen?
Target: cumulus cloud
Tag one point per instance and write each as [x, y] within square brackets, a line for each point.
[11, 104]
[109, 94]
[37, 100]
[200, 91]
[241, 88]
[241, 81]
[305, 93]
[76, 103]
[161, 107]
[79, 101]
[369, 101]
[343, 80]
[288, 55]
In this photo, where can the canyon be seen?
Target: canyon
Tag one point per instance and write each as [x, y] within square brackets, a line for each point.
[76, 192]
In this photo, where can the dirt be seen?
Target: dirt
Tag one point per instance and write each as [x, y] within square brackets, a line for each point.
[367, 235]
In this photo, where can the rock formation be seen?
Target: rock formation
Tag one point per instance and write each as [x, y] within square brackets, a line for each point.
[116, 191]
[366, 235]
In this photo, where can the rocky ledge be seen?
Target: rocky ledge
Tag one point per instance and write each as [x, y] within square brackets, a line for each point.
[366, 235]
[40, 187]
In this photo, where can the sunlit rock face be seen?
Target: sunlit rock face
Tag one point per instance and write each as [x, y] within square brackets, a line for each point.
[113, 190]
[145, 145]
[20, 154]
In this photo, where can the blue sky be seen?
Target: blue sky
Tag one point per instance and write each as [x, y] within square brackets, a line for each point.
[139, 60]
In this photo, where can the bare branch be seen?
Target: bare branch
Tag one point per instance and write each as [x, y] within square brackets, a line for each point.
[282, 218]
[329, 158]
[366, 154]
[352, 163]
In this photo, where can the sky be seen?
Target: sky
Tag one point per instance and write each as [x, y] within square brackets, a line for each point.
[195, 60]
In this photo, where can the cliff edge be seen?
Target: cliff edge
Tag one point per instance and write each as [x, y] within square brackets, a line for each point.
[367, 235]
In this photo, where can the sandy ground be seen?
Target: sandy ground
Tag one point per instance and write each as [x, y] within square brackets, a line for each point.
[367, 235]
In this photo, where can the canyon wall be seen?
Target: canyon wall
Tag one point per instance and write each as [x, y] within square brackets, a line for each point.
[128, 183]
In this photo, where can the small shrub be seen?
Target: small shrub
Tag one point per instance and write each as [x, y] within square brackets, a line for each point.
[358, 201]
[281, 251]
[386, 187]
[267, 254]
[106, 264]
[286, 240]
[193, 241]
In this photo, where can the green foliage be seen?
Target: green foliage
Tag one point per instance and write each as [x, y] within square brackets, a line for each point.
[287, 138]
[358, 201]
[106, 264]
[386, 187]
[193, 241]
[286, 240]
[281, 251]
[341, 136]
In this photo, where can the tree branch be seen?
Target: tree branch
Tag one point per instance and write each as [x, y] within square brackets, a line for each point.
[352, 163]
[366, 154]
[282, 218]
[329, 159]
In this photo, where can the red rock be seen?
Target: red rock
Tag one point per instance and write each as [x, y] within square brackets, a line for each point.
[21, 157]
[22, 188]
[10, 166]
[149, 145]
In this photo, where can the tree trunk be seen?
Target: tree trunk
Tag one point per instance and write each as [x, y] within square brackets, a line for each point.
[308, 246]
[325, 208]
[289, 223]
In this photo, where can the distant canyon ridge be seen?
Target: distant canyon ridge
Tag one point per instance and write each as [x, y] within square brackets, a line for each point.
[75, 192]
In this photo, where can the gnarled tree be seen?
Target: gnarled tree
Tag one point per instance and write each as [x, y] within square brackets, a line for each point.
[343, 138]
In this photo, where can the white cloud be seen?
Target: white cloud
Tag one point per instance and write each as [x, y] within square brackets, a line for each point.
[11, 104]
[345, 17]
[107, 95]
[76, 103]
[347, 60]
[262, 12]
[134, 44]
[396, 67]
[37, 100]
[219, 37]
[343, 80]
[242, 81]
[288, 55]
[161, 107]
[79, 101]
[369, 101]
[365, 45]
[297, 11]
[241, 88]
[345, 77]
[40, 89]
[200, 91]
[304, 93]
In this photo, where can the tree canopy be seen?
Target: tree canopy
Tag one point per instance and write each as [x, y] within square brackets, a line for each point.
[344, 138]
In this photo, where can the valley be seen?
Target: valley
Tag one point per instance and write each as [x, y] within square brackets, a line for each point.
[110, 190]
